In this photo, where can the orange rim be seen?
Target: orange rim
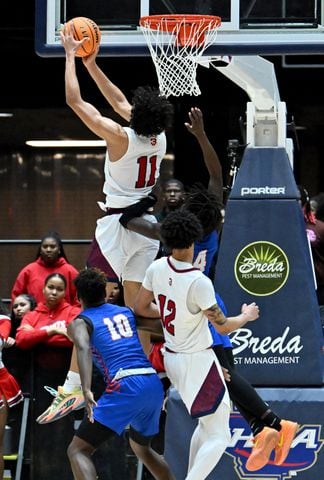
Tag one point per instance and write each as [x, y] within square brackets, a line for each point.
[168, 22]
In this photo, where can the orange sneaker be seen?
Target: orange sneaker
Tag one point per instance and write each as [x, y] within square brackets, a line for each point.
[62, 404]
[264, 443]
[286, 434]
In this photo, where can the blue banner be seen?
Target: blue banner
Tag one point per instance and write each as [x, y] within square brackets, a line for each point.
[264, 256]
[305, 460]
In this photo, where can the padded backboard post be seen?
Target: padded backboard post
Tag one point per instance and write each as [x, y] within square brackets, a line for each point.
[266, 114]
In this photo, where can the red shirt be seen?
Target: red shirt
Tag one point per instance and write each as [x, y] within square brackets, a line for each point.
[41, 317]
[5, 326]
[31, 279]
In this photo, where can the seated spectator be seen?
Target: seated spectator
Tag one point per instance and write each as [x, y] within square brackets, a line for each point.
[10, 392]
[18, 361]
[21, 305]
[50, 258]
[47, 323]
[43, 331]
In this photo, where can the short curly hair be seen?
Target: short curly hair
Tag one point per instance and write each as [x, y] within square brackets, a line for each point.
[151, 112]
[180, 229]
[206, 206]
[91, 286]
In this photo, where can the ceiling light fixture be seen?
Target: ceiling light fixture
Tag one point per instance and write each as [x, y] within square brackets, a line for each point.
[5, 115]
[66, 143]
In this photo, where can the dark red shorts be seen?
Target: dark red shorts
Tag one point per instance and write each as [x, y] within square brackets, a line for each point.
[96, 259]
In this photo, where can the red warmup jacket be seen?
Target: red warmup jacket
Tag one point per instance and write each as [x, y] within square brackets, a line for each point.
[41, 317]
[5, 326]
[31, 279]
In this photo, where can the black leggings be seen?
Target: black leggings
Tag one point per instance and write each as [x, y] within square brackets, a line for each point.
[241, 392]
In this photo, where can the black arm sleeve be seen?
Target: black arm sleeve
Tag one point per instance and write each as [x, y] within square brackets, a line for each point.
[137, 209]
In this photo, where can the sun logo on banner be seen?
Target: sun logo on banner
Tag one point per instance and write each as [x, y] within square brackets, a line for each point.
[261, 268]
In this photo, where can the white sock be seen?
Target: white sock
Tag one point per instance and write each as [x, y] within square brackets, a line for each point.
[72, 381]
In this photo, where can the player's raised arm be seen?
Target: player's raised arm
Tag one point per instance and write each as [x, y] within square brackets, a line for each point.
[213, 165]
[103, 127]
[110, 91]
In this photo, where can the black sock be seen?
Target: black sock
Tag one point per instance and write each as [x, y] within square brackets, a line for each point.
[271, 420]
[256, 426]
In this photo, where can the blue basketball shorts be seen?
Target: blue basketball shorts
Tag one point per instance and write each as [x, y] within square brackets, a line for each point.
[137, 403]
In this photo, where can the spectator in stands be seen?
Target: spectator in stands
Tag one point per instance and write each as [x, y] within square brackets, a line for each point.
[315, 201]
[309, 215]
[45, 327]
[315, 233]
[10, 392]
[16, 360]
[173, 193]
[50, 258]
[21, 305]
[44, 332]
[116, 295]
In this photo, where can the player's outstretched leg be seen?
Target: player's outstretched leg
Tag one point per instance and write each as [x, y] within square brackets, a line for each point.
[154, 462]
[79, 453]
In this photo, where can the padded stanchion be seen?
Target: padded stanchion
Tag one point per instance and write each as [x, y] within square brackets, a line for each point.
[264, 256]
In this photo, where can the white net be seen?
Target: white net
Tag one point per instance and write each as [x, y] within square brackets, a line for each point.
[176, 47]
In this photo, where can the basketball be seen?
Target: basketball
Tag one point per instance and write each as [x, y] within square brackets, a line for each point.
[83, 27]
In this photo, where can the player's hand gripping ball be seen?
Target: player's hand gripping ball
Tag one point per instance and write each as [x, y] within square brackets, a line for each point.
[83, 27]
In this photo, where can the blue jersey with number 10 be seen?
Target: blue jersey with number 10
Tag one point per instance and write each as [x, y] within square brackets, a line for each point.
[114, 340]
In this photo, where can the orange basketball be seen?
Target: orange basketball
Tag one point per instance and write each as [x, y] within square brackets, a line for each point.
[83, 27]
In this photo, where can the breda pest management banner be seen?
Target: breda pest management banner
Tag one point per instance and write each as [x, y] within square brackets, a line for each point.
[264, 256]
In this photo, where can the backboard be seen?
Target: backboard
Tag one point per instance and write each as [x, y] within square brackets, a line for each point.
[249, 27]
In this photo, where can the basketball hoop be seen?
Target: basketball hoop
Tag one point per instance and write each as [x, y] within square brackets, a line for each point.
[176, 43]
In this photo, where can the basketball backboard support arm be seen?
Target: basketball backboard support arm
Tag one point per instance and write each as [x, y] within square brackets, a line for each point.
[266, 122]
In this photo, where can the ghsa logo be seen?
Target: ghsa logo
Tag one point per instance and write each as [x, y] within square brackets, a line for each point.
[303, 453]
